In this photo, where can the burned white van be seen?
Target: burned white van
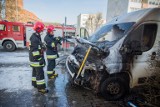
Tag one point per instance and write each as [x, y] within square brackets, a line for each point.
[116, 57]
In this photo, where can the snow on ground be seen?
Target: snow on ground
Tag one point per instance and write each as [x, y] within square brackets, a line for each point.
[15, 72]
[15, 79]
[14, 57]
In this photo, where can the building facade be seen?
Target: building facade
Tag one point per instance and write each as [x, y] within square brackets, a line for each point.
[115, 8]
[81, 22]
[128, 6]
[89, 21]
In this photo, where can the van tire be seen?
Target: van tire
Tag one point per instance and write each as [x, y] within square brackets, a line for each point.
[9, 46]
[114, 88]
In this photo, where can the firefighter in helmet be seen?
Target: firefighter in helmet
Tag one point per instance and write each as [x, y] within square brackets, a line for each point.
[36, 57]
[52, 53]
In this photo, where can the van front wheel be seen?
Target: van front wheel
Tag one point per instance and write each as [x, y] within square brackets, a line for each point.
[114, 88]
[9, 46]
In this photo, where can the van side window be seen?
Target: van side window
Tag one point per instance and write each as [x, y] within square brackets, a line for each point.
[2, 27]
[142, 38]
[15, 28]
[148, 37]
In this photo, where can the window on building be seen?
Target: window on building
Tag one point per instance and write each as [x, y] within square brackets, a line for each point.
[15, 28]
[153, 3]
[2, 27]
[150, 2]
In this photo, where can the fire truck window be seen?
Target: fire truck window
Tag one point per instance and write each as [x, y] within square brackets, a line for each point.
[15, 28]
[149, 35]
[2, 27]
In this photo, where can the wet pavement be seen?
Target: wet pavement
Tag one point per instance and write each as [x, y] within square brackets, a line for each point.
[16, 89]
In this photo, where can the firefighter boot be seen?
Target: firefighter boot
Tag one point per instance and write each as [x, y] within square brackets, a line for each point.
[53, 76]
[56, 75]
[43, 91]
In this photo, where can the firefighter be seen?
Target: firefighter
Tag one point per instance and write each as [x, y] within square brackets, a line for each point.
[51, 53]
[36, 57]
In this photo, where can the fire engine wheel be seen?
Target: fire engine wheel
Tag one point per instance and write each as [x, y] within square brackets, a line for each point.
[9, 46]
[114, 88]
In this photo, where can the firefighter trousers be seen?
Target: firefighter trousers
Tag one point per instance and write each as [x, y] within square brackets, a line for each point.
[38, 80]
[50, 67]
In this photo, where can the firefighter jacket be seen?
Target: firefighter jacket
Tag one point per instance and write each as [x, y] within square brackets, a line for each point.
[51, 44]
[36, 55]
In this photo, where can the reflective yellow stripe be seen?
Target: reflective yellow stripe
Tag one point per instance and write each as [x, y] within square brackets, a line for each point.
[39, 58]
[53, 45]
[49, 72]
[33, 78]
[40, 82]
[57, 38]
[35, 53]
[35, 64]
[51, 56]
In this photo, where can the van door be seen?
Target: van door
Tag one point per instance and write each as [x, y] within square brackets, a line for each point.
[146, 36]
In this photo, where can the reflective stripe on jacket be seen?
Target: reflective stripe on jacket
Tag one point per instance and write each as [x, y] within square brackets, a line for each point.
[35, 50]
[36, 64]
[51, 56]
[51, 46]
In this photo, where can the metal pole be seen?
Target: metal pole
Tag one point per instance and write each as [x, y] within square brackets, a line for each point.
[142, 4]
[65, 33]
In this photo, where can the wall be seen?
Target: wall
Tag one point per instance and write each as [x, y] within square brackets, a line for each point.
[116, 8]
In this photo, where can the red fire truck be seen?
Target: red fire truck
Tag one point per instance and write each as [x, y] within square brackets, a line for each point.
[15, 35]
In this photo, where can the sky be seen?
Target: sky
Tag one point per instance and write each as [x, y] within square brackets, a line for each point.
[56, 10]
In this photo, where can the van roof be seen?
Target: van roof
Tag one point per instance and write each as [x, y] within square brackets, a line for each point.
[150, 14]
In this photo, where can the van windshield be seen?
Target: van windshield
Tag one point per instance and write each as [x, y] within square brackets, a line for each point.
[111, 33]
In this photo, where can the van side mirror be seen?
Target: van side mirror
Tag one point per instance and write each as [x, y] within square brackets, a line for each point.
[136, 48]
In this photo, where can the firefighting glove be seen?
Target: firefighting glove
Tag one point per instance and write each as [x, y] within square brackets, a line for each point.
[57, 55]
[44, 46]
[42, 61]
[58, 40]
